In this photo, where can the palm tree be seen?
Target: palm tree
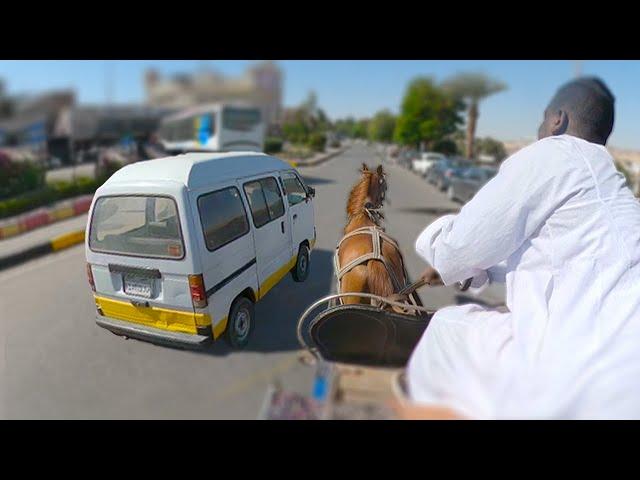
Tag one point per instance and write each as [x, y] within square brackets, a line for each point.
[472, 88]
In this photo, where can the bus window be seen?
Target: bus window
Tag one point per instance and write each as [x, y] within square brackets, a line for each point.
[240, 119]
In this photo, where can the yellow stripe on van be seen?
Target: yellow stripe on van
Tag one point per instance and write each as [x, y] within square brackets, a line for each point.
[162, 318]
[276, 276]
[220, 328]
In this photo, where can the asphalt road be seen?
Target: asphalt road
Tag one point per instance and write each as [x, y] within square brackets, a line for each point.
[55, 363]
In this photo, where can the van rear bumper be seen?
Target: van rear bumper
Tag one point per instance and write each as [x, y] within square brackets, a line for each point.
[154, 335]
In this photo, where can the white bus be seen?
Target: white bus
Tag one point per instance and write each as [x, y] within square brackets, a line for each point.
[219, 127]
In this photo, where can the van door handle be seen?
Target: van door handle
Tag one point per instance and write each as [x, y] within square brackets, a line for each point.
[282, 226]
[295, 215]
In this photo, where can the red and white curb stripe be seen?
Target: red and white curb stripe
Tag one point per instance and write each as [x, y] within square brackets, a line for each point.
[44, 216]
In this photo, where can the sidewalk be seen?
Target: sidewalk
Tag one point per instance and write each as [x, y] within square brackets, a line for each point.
[57, 236]
[38, 218]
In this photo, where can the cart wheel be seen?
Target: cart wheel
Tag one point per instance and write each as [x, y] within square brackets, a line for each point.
[300, 271]
[240, 322]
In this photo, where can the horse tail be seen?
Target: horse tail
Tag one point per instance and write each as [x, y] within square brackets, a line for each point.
[378, 279]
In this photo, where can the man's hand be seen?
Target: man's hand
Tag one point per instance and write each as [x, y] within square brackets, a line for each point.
[413, 411]
[431, 276]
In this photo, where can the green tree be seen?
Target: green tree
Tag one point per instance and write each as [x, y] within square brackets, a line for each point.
[301, 122]
[491, 146]
[472, 88]
[295, 126]
[446, 146]
[345, 126]
[381, 126]
[427, 114]
[361, 128]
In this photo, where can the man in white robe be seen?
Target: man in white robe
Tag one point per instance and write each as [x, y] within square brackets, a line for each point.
[560, 227]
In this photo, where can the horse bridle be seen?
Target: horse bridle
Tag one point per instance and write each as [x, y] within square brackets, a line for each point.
[374, 213]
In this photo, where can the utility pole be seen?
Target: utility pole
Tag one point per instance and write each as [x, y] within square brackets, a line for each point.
[577, 68]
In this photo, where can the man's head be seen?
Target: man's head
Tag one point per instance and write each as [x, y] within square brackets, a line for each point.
[582, 108]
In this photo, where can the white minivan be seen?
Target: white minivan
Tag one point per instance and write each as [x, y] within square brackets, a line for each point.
[179, 249]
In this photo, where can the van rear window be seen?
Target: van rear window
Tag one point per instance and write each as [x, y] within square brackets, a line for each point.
[141, 226]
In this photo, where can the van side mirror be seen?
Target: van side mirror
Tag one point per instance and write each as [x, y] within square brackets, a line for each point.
[311, 191]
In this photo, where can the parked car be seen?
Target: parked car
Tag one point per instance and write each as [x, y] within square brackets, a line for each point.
[464, 186]
[443, 170]
[406, 158]
[426, 160]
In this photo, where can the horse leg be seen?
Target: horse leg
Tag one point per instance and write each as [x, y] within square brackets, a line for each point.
[354, 281]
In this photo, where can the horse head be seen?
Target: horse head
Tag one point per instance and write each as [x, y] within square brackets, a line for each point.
[377, 183]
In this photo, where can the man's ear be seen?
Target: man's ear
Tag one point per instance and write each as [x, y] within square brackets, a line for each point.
[560, 122]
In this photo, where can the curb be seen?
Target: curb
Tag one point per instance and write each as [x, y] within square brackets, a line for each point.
[44, 216]
[55, 244]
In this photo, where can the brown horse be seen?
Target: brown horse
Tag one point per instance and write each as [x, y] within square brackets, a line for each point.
[384, 275]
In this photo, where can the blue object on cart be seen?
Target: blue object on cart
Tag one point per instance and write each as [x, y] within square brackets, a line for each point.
[321, 383]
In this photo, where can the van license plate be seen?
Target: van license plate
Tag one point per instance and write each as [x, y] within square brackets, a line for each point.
[138, 286]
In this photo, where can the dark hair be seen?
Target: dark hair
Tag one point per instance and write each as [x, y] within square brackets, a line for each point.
[590, 106]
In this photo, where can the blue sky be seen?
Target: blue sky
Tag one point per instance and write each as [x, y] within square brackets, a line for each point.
[360, 88]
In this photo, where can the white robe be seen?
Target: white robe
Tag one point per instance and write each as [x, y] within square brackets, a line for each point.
[558, 225]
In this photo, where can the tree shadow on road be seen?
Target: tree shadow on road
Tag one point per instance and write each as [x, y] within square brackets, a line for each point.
[278, 313]
[430, 210]
[317, 180]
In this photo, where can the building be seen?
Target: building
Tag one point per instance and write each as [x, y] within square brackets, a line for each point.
[261, 86]
[52, 124]
[32, 123]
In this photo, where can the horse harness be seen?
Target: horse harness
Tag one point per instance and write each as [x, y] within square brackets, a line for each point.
[378, 236]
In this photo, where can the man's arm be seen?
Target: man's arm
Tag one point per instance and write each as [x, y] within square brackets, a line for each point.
[509, 209]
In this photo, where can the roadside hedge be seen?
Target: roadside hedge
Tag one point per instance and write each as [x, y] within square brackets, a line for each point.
[17, 178]
[52, 192]
[317, 142]
[273, 145]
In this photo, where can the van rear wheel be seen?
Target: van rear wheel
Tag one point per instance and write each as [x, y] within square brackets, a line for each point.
[240, 323]
[300, 271]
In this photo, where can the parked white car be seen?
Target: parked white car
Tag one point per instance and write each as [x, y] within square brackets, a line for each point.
[426, 160]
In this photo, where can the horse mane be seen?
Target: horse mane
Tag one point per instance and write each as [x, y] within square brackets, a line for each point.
[358, 195]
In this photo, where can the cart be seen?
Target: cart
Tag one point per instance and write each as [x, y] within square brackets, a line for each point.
[359, 352]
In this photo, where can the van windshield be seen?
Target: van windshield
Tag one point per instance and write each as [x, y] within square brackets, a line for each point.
[142, 226]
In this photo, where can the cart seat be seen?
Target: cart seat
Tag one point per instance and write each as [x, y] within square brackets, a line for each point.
[366, 335]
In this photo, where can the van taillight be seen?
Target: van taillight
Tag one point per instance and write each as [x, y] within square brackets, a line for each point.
[198, 292]
[90, 277]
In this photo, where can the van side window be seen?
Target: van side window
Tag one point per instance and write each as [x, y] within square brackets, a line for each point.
[293, 188]
[223, 217]
[257, 203]
[265, 200]
[273, 196]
